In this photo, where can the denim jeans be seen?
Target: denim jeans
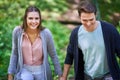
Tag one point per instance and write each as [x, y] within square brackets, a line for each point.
[33, 73]
[104, 77]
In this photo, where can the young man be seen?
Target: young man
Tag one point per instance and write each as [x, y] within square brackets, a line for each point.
[93, 47]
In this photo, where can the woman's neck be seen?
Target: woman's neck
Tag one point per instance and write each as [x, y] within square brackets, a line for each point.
[31, 31]
[32, 34]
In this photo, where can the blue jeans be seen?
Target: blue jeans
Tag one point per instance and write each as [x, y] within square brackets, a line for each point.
[33, 73]
[104, 77]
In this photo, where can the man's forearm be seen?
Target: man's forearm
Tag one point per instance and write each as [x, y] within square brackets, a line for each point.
[66, 70]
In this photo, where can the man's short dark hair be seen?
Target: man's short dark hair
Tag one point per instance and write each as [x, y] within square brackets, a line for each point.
[87, 7]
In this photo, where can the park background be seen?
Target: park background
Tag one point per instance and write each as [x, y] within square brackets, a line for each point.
[60, 16]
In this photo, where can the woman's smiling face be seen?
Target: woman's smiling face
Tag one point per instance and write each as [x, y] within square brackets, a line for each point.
[33, 20]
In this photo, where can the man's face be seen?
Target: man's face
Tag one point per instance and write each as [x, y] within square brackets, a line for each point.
[88, 20]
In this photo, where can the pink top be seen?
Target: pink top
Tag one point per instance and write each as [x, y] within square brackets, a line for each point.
[32, 53]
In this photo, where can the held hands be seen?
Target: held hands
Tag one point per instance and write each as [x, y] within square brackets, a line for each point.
[62, 78]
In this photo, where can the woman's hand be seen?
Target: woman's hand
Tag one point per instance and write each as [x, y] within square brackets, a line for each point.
[10, 77]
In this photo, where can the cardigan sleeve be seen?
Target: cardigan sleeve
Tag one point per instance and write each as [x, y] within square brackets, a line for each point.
[111, 38]
[71, 47]
[69, 55]
[116, 38]
[14, 53]
[52, 52]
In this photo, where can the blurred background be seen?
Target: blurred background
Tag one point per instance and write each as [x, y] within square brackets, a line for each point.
[60, 16]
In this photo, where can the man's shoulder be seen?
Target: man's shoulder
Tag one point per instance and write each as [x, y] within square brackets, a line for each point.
[76, 29]
[108, 28]
[104, 23]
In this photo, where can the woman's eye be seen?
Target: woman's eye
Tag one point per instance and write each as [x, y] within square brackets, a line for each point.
[36, 18]
[30, 18]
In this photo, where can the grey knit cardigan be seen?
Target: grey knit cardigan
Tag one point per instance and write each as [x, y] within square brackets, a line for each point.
[16, 59]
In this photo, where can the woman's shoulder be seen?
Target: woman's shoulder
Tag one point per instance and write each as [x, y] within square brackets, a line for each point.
[47, 31]
[17, 29]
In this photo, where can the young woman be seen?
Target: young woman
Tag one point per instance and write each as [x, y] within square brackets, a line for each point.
[31, 45]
